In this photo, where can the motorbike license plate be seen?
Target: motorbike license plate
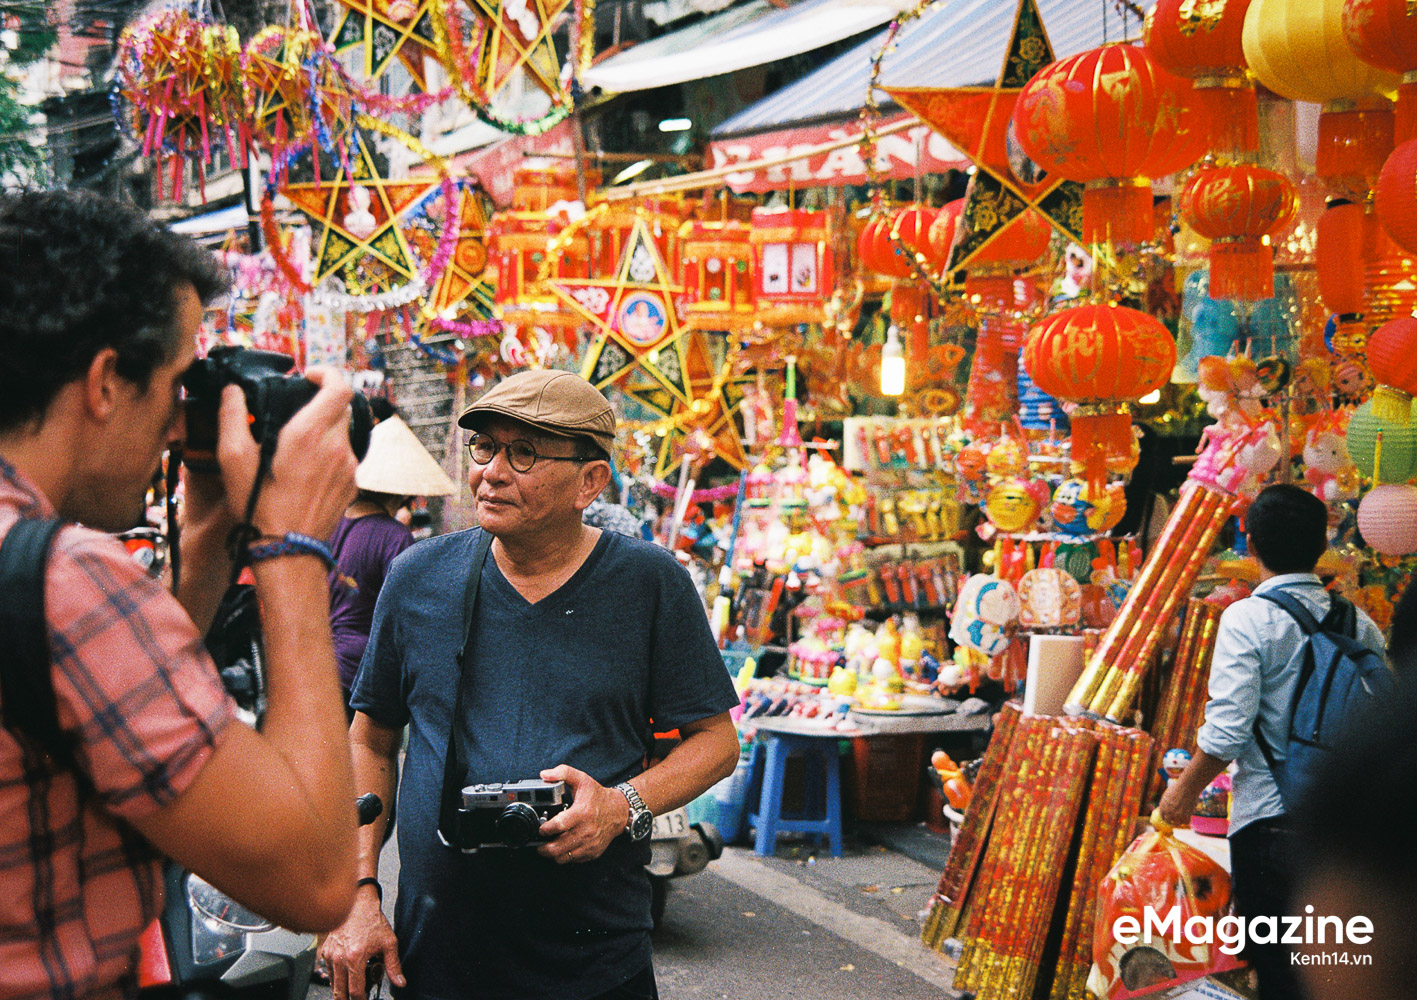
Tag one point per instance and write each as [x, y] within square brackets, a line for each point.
[670, 825]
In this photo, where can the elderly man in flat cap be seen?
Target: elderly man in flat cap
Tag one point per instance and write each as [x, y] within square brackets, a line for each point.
[532, 647]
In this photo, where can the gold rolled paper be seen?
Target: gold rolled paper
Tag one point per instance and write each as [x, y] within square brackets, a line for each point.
[1181, 586]
[1085, 690]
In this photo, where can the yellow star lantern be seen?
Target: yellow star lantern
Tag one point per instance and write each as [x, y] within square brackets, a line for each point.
[463, 279]
[635, 318]
[384, 30]
[709, 414]
[358, 218]
[515, 35]
[976, 121]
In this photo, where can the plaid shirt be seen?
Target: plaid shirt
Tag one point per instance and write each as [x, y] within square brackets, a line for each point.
[135, 687]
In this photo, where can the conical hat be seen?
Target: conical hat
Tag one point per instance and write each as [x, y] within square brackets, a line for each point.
[398, 463]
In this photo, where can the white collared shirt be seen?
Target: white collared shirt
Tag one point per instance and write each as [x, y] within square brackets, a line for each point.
[1258, 653]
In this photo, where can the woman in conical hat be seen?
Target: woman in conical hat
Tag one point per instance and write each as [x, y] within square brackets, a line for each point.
[396, 468]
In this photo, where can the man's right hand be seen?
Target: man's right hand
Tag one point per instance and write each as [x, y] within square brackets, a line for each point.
[348, 949]
[311, 480]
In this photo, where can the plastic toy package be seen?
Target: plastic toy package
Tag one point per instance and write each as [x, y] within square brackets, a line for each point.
[1141, 943]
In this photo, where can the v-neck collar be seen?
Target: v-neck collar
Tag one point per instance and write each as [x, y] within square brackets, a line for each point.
[559, 597]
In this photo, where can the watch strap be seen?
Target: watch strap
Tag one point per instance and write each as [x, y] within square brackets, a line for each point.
[637, 804]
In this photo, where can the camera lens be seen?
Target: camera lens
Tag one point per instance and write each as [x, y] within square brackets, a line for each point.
[517, 825]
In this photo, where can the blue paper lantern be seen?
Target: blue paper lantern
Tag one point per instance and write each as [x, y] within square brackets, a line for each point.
[1213, 327]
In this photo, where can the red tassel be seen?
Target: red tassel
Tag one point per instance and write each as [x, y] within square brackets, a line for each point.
[1117, 212]
[1242, 269]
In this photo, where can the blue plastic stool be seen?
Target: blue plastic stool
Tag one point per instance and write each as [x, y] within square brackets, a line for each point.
[822, 778]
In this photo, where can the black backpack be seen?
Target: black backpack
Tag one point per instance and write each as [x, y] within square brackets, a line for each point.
[1342, 684]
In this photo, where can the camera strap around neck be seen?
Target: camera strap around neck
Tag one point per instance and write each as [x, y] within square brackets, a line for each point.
[455, 764]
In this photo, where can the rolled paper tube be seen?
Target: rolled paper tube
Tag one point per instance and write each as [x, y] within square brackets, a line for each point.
[1191, 684]
[966, 852]
[1085, 690]
[1046, 874]
[1173, 697]
[1100, 859]
[995, 871]
[1105, 780]
[1194, 708]
[1010, 920]
[1178, 575]
[1058, 989]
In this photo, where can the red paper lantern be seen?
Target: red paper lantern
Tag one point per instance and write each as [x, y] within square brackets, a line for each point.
[1112, 118]
[912, 226]
[1100, 357]
[1340, 250]
[875, 250]
[1236, 207]
[1383, 33]
[941, 236]
[1392, 358]
[1203, 44]
[1396, 196]
[518, 243]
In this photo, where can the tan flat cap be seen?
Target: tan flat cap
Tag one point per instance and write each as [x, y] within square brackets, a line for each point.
[557, 402]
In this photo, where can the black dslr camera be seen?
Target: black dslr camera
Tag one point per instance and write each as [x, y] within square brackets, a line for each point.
[273, 395]
[507, 814]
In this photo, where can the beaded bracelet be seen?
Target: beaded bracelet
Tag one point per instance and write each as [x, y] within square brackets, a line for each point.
[292, 544]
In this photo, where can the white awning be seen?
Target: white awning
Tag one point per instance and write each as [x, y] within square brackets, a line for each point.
[749, 35]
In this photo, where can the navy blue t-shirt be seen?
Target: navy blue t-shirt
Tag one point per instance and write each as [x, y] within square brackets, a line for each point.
[573, 679]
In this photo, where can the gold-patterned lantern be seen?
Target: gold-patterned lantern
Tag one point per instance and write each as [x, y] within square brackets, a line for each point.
[518, 244]
[793, 266]
[716, 272]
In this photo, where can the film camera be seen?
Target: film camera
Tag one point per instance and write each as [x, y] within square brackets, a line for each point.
[508, 814]
[273, 395]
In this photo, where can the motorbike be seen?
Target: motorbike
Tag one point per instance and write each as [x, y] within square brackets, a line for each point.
[205, 945]
[677, 846]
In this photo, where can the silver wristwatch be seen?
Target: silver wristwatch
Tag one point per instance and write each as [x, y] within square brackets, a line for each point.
[641, 819]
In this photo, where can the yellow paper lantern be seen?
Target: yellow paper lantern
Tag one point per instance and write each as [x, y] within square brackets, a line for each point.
[1296, 48]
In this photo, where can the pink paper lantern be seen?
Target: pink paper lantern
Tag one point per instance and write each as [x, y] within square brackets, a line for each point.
[1387, 517]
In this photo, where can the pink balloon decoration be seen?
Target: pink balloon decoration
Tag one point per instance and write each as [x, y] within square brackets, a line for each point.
[1387, 517]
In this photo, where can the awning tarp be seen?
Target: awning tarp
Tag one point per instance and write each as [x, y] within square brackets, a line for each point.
[748, 35]
[220, 221]
[959, 44]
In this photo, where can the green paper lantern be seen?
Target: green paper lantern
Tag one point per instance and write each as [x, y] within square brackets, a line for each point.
[1399, 457]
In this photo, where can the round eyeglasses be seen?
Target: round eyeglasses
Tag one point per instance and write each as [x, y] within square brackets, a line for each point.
[521, 454]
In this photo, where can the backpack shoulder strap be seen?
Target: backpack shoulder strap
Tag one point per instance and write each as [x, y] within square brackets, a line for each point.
[27, 704]
[1342, 617]
[1308, 624]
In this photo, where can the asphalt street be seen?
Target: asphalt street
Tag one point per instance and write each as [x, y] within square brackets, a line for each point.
[796, 925]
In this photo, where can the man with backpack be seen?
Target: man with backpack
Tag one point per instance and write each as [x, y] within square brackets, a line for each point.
[1288, 651]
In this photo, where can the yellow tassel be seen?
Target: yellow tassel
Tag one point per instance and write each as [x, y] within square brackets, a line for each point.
[1391, 405]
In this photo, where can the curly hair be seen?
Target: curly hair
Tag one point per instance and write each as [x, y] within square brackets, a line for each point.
[80, 273]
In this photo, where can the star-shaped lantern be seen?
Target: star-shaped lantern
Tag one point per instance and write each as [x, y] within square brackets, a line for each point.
[463, 279]
[359, 219]
[383, 30]
[517, 35]
[976, 120]
[635, 318]
[709, 414]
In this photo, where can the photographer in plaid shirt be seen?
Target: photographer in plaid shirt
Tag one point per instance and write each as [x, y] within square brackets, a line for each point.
[99, 311]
